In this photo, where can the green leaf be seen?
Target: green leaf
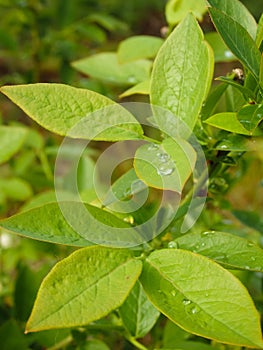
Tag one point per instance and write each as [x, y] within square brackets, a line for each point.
[261, 73]
[176, 10]
[59, 108]
[45, 198]
[201, 297]
[250, 116]
[94, 345]
[172, 334]
[84, 287]
[15, 188]
[47, 223]
[142, 88]
[259, 36]
[137, 312]
[12, 337]
[227, 249]
[138, 47]
[238, 12]
[182, 73]
[221, 51]
[212, 101]
[247, 93]
[234, 99]
[233, 142]
[124, 187]
[190, 345]
[227, 121]
[166, 166]
[26, 287]
[250, 219]
[238, 40]
[105, 66]
[12, 139]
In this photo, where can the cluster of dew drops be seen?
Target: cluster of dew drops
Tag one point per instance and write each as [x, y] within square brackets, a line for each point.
[163, 162]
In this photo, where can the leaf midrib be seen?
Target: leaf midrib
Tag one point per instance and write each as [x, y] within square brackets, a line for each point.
[84, 291]
[225, 325]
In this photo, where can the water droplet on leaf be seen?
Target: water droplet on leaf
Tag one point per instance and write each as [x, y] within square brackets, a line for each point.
[205, 233]
[153, 147]
[195, 310]
[165, 169]
[163, 157]
[173, 244]
[187, 302]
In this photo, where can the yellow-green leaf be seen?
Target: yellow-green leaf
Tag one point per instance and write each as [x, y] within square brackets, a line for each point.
[84, 287]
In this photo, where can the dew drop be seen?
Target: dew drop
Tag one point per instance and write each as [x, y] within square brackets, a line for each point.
[153, 147]
[165, 169]
[172, 244]
[195, 310]
[247, 267]
[197, 246]
[220, 257]
[205, 233]
[163, 157]
[173, 292]
[187, 302]
[228, 54]
[206, 294]
[250, 244]
[253, 258]
[203, 244]
[223, 146]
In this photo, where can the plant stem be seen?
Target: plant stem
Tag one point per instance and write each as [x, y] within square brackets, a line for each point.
[45, 165]
[61, 344]
[134, 342]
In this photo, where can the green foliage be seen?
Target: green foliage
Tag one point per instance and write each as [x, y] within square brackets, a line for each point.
[136, 255]
[182, 91]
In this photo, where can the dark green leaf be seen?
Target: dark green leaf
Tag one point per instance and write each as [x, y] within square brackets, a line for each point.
[11, 336]
[238, 40]
[250, 218]
[250, 116]
[238, 12]
[137, 312]
[212, 101]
